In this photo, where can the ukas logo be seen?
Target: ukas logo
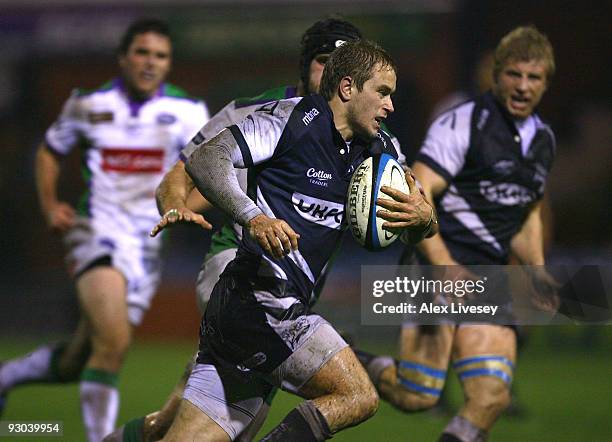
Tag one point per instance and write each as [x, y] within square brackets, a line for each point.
[309, 116]
[325, 213]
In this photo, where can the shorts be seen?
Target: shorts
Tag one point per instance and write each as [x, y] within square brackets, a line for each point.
[136, 257]
[225, 397]
[209, 274]
[248, 346]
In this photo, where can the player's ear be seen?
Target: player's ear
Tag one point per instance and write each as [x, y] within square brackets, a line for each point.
[345, 88]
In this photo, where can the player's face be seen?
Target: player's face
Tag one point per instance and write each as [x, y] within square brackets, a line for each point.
[146, 63]
[520, 85]
[370, 106]
[316, 72]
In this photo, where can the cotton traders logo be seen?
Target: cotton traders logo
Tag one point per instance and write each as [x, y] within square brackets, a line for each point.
[309, 116]
[315, 210]
[318, 177]
[506, 194]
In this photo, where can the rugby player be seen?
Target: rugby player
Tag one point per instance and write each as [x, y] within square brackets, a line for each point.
[317, 42]
[258, 330]
[132, 128]
[496, 141]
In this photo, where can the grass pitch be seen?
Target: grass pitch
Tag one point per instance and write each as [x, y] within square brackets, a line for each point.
[563, 383]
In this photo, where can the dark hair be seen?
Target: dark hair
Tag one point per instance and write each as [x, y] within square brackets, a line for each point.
[525, 43]
[323, 37]
[356, 59]
[141, 27]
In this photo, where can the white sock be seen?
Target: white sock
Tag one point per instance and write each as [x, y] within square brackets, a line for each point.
[99, 407]
[34, 366]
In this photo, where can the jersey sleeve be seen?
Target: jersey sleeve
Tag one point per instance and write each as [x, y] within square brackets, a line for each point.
[401, 158]
[65, 132]
[194, 120]
[259, 133]
[447, 142]
[227, 116]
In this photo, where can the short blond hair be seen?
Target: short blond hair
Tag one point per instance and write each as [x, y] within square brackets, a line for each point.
[524, 43]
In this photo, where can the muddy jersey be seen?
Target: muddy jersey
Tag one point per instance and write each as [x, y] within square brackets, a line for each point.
[234, 112]
[299, 171]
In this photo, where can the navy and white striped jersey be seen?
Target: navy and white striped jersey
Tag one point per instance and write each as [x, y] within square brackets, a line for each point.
[299, 171]
[495, 168]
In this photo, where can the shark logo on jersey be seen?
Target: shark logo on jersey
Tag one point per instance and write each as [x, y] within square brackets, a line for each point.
[309, 116]
[326, 213]
[506, 194]
[294, 334]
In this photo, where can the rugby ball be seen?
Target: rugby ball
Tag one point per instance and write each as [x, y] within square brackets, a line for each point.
[364, 189]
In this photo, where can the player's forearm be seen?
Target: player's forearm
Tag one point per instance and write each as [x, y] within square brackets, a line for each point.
[435, 251]
[197, 203]
[47, 170]
[211, 167]
[173, 191]
[528, 244]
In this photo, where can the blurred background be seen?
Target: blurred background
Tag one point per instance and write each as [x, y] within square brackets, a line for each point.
[230, 48]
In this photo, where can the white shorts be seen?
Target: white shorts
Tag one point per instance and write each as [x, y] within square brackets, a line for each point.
[225, 398]
[136, 257]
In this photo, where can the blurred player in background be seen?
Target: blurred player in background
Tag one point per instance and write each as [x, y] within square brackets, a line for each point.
[496, 141]
[131, 130]
[317, 43]
[258, 331]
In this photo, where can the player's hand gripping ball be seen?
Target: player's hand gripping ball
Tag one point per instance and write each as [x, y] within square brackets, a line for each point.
[364, 189]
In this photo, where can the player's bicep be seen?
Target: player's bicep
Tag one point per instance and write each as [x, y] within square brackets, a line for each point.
[258, 135]
[447, 142]
[223, 146]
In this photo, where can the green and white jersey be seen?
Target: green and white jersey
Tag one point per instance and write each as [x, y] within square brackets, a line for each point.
[127, 147]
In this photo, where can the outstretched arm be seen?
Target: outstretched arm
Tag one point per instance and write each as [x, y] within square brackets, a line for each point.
[173, 197]
[211, 166]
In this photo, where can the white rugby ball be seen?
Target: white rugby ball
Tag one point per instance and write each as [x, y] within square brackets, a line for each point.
[364, 190]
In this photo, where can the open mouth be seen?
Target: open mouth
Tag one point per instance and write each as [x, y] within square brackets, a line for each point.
[519, 102]
[149, 76]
